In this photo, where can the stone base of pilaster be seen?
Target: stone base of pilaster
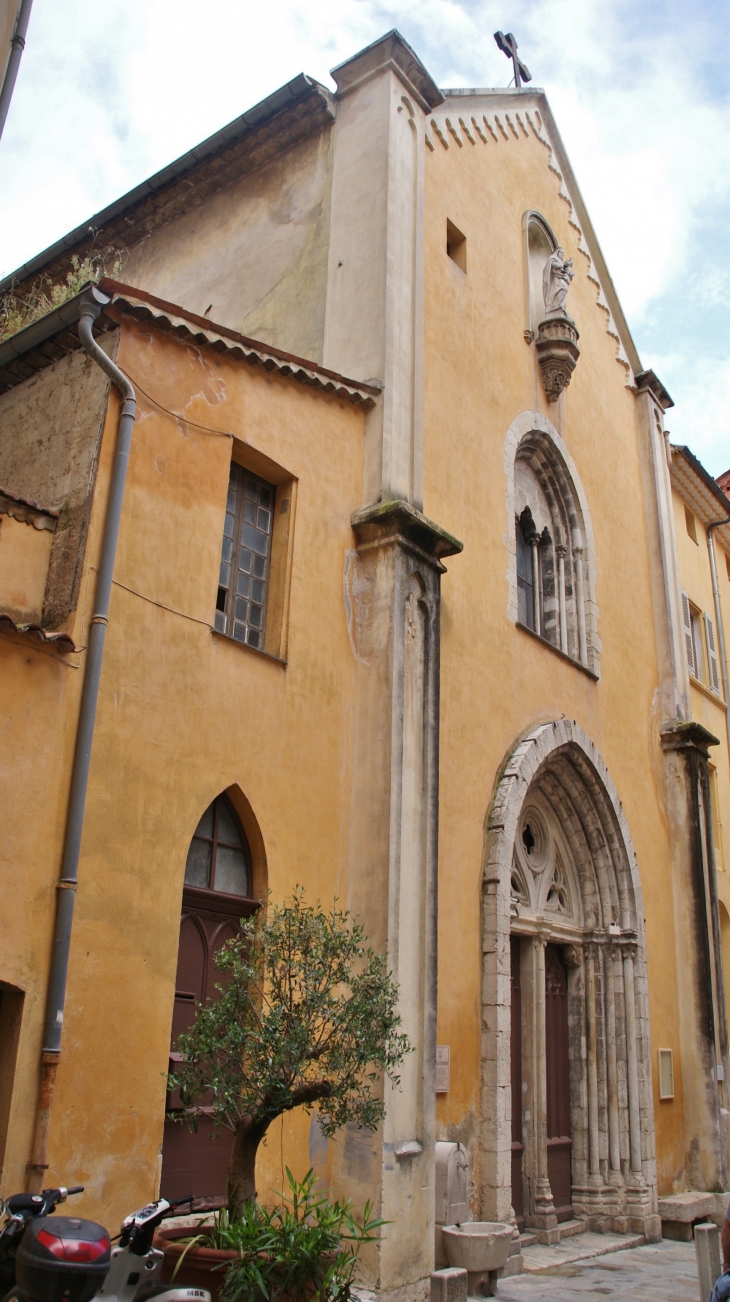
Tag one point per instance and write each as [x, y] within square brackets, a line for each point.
[545, 1226]
[643, 1217]
[601, 1206]
[418, 1291]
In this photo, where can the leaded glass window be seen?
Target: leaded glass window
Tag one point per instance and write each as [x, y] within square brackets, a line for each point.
[218, 857]
[245, 557]
[525, 578]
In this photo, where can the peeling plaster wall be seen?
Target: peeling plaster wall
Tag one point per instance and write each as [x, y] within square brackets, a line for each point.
[50, 429]
[255, 254]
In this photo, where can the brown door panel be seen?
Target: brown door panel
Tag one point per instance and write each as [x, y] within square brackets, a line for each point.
[558, 1082]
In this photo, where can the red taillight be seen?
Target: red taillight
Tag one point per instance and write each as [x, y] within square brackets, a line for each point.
[73, 1249]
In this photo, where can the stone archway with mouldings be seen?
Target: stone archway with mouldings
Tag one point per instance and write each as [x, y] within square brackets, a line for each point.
[561, 880]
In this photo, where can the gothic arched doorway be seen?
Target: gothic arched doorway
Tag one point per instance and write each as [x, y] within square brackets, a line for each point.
[561, 884]
[218, 891]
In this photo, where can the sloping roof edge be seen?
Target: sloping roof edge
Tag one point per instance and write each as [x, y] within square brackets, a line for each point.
[48, 339]
[704, 475]
[299, 89]
[168, 316]
[526, 98]
[591, 239]
[702, 493]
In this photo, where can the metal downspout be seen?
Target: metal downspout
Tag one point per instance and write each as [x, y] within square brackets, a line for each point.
[718, 619]
[17, 45]
[90, 309]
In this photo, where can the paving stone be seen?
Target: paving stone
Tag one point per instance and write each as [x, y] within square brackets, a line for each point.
[579, 1248]
[654, 1272]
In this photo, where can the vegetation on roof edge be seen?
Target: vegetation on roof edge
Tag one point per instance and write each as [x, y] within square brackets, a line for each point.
[21, 309]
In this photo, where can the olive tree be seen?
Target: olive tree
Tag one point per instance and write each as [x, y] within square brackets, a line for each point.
[305, 1015]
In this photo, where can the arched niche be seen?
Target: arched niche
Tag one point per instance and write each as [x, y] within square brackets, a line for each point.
[552, 569]
[539, 243]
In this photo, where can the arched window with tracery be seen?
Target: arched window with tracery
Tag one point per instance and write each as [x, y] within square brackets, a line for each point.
[554, 567]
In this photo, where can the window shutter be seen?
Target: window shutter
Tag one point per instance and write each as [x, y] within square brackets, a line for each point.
[712, 655]
[688, 639]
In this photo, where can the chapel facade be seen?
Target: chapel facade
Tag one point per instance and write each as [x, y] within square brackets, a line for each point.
[397, 616]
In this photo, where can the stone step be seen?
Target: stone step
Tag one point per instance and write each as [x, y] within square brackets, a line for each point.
[579, 1247]
[568, 1228]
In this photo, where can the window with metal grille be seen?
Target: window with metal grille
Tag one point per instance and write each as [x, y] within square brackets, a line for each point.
[245, 556]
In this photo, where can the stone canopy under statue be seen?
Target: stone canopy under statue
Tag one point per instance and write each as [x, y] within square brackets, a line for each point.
[557, 335]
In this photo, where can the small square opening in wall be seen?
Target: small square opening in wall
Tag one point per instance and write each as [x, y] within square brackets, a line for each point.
[691, 524]
[456, 245]
[666, 1073]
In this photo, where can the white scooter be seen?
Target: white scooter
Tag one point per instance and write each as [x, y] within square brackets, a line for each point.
[65, 1259]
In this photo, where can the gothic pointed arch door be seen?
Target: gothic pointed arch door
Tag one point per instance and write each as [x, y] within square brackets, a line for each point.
[557, 1066]
[216, 895]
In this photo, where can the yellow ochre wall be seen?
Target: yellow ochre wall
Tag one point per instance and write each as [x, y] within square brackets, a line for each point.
[707, 708]
[498, 681]
[182, 715]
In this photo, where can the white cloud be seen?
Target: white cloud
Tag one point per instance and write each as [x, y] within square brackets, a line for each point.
[109, 92]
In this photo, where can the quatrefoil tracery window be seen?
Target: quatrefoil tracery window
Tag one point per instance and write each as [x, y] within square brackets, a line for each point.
[540, 881]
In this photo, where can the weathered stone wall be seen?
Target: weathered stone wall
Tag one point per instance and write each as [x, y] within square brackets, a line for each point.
[50, 429]
[254, 256]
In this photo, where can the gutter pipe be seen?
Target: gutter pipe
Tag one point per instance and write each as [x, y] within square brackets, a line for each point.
[17, 45]
[91, 306]
[718, 618]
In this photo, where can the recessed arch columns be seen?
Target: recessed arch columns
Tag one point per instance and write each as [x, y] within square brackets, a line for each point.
[557, 768]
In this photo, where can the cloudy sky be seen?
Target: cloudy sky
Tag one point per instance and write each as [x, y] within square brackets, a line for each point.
[111, 90]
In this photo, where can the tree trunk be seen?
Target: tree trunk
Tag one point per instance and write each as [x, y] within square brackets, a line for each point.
[242, 1166]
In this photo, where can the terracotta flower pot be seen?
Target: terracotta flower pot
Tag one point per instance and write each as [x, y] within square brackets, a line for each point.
[202, 1267]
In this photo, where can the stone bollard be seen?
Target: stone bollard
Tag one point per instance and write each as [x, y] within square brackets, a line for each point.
[449, 1285]
[707, 1249]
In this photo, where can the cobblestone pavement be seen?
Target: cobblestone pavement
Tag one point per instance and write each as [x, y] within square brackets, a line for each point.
[655, 1272]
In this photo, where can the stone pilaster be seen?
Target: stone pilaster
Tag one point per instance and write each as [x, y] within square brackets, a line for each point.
[702, 1014]
[392, 597]
[374, 311]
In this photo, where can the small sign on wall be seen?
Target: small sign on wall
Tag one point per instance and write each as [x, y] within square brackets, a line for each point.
[443, 1068]
[666, 1074]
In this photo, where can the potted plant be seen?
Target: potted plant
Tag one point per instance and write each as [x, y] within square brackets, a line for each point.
[305, 1247]
[305, 1016]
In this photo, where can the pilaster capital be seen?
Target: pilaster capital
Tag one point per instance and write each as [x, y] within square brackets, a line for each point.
[392, 53]
[647, 381]
[398, 521]
[686, 734]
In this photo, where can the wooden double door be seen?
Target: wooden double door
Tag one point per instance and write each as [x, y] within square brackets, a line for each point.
[557, 1077]
[196, 1162]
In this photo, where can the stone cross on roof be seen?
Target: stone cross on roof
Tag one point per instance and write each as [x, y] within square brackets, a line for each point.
[508, 45]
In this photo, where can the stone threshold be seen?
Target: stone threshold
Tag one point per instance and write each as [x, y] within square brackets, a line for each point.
[577, 1247]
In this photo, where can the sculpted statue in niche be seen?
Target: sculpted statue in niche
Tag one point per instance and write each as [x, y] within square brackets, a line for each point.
[557, 336]
[556, 277]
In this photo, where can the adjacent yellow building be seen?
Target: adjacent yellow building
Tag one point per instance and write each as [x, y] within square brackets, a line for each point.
[396, 614]
[701, 523]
